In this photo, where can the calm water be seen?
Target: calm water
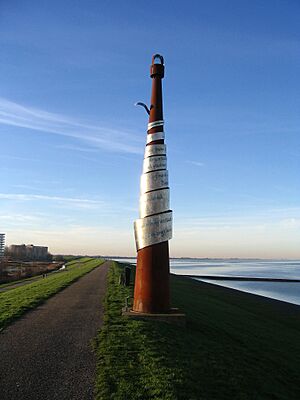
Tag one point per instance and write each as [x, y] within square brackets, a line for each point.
[285, 291]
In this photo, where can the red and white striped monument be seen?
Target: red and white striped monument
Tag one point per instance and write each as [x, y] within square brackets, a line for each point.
[154, 227]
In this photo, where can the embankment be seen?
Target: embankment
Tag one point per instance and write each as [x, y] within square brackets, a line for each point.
[15, 302]
[235, 346]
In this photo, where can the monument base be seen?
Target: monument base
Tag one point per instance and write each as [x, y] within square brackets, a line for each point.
[173, 317]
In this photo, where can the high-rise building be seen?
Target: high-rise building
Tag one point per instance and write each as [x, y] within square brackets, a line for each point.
[28, 252]
[2, 244]
[36, 252]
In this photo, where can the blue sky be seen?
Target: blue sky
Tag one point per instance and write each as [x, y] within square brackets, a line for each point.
[72, 142]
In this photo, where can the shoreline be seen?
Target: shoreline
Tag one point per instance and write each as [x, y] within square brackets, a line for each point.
[233, 342]
[269, 301]
[239, 278]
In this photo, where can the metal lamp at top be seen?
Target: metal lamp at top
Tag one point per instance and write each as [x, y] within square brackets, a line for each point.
[154, 227]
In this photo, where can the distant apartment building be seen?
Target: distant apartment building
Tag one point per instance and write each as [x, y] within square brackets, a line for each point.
[28, 252]
[36, 252]
[2, 244]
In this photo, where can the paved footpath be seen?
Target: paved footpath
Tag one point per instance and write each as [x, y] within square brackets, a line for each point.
[47, 354]
[27, 281]
[14, 285]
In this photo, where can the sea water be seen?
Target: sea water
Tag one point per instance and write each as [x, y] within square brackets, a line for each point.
[284, 269]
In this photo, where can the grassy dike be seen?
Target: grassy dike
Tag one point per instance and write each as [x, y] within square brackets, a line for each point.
[77, 262]
[235, 346]
[16, 302]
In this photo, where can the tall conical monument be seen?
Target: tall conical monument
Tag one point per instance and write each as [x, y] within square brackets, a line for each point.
[154, 227]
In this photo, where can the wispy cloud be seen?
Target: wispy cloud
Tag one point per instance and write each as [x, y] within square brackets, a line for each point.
[11, 157]
[196, 163]
[24, 186]
[96, 136]
[77, 148]
[293, 223]
[20, 218]
[78, 202]
[249, 219]
[69, 239]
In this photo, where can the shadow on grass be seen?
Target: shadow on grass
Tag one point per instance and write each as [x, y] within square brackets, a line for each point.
[235, 346]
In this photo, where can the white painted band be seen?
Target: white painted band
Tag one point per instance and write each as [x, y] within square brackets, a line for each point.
[151, 137]
[154, 180]
[154, 163]
[152, 230]
[155, 150]
[154, 124]
[154, 202]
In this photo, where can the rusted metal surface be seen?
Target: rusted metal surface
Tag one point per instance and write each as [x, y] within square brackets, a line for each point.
[152, 294]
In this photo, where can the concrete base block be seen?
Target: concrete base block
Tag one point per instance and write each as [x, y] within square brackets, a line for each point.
[173, 317]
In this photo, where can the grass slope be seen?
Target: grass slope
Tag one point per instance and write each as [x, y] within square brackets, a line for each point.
[80, 260]
[235, 346]
[16, 302]
[76, 262]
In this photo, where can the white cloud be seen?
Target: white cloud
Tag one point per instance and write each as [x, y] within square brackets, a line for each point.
[196, 163]
[94, 135]
[21, 218]
[291, 223]
[263, 241]
[78, 239]
[265, 233]
[78, 202]
[77, 148]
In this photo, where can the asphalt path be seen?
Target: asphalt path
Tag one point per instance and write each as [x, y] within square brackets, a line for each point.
[47, 354]
[26, 281]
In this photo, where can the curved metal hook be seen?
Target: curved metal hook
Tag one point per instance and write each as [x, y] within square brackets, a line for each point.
[160, 58]
[143, 105]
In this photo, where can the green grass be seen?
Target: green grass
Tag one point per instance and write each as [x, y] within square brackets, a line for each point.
[16, 302]
[79, 260]
[235, 346]
[69, 265]
[70, 258]
[130, 365]
[3, 285]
